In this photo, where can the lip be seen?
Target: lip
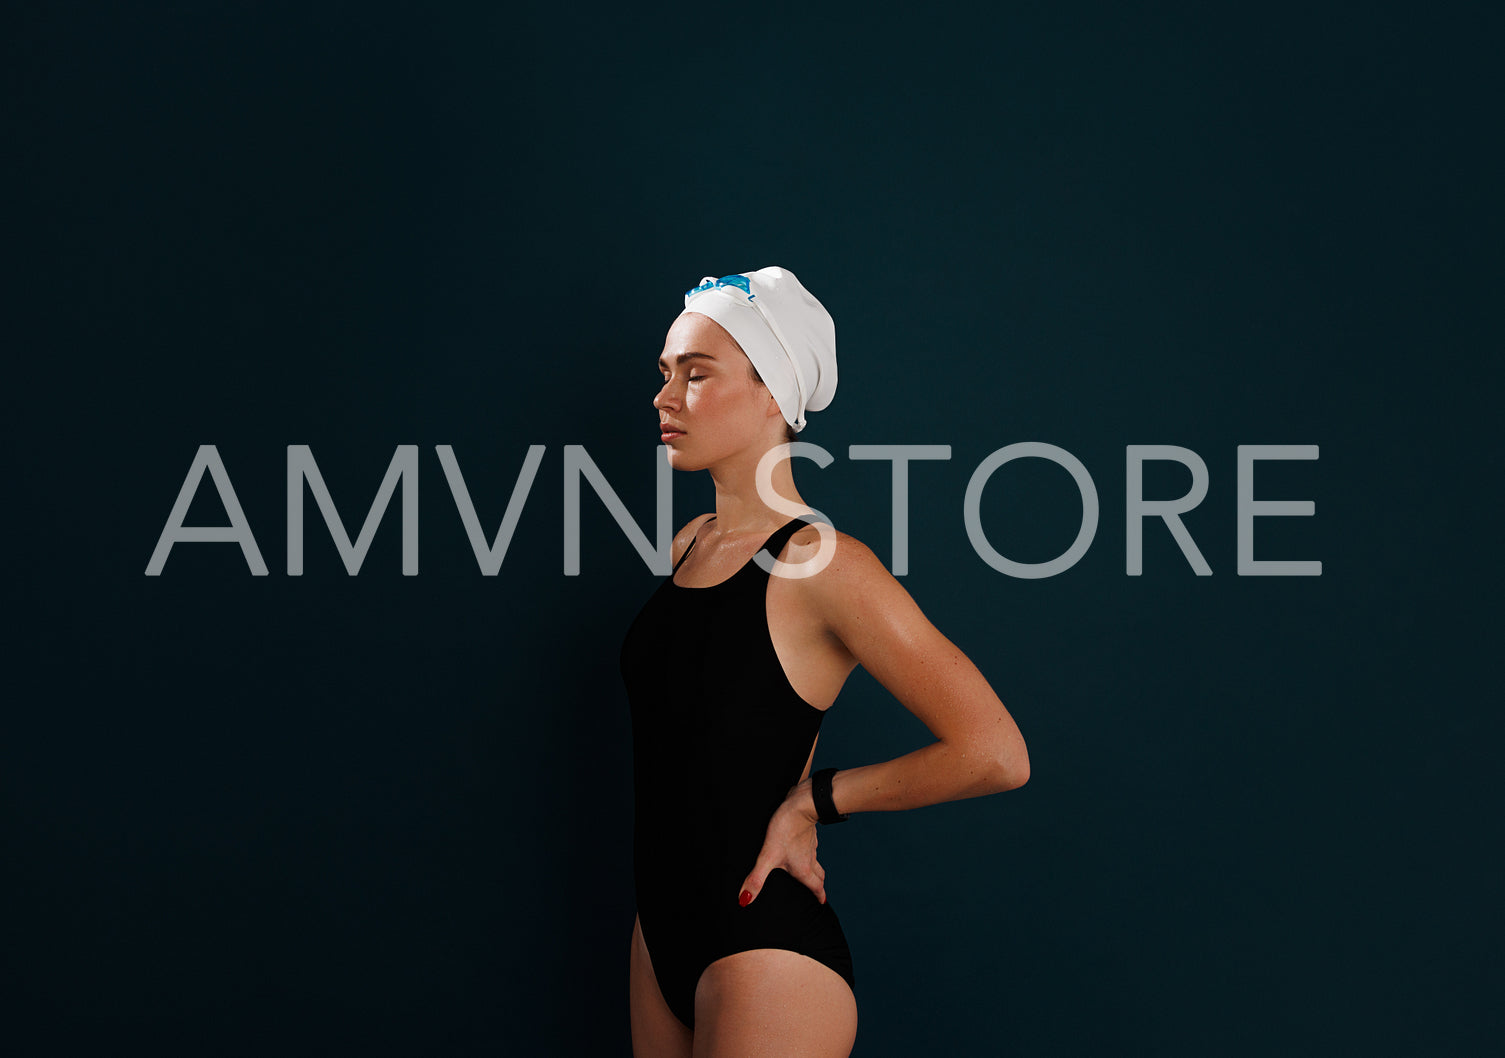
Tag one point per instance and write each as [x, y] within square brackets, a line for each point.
[669, 432]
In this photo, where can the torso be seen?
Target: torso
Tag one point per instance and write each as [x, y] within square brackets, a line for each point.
[720, 734]
[814, 660]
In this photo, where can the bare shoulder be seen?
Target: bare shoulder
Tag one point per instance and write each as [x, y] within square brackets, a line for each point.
[851, 556]
[684, 536]
[855, 598]
[853, 576]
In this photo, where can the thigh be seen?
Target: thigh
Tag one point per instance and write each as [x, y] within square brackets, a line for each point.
[656, 1032]
[771, 1003]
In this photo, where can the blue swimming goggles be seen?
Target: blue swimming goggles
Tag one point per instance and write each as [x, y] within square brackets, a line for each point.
[742, 283]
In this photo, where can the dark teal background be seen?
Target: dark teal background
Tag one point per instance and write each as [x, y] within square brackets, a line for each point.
[380, 815]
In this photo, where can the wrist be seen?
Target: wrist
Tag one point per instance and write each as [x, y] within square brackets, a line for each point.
[801, 801]
[799, 804]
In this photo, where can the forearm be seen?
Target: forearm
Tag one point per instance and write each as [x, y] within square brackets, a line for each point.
[941, 771]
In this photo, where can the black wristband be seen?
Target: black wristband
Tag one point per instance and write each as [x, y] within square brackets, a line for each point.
[820, 792]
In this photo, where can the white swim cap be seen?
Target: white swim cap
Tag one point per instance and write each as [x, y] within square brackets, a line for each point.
[788, 335]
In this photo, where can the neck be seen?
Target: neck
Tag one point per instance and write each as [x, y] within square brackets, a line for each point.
[739, 507]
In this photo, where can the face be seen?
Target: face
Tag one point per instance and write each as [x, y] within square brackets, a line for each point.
[709, 407]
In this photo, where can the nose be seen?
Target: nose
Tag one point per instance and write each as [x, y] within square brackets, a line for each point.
[668, 396]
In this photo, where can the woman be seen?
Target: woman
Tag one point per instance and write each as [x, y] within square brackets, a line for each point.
[729, 671]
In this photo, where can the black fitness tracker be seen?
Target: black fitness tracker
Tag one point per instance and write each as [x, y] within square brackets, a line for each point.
[820, 792]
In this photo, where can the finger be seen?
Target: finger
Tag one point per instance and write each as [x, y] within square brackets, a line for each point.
[752, 885]
[813, 880]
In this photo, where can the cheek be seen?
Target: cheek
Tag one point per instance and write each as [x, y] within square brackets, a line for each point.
[720, 400]
[705, 400]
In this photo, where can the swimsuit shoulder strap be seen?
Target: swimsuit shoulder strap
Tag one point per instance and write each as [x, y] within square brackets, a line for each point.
[776, 543]
[690, 548]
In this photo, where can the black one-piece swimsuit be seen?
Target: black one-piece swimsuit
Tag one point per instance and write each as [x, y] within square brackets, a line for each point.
[719, 736]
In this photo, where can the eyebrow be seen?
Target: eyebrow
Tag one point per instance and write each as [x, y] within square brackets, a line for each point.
[680, 358]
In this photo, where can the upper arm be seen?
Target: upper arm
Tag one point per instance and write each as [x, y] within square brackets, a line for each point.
[885, 631]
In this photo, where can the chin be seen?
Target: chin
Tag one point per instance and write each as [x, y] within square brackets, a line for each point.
[682, 461]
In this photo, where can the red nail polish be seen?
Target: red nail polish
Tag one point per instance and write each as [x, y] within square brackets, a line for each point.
[745, 898]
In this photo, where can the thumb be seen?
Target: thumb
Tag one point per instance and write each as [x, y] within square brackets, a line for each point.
[752, 885]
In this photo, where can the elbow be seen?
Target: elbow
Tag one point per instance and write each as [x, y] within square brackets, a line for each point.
[994, 765]
[1011, 768]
